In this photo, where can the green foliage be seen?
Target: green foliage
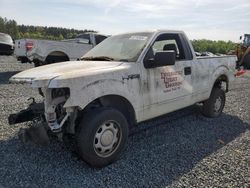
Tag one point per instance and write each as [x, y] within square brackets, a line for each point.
[9, 26]
[221, 47]
[37, 32]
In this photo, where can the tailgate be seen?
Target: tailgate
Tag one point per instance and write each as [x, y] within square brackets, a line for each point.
[20, 49]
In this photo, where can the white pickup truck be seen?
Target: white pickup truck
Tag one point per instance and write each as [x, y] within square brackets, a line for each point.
[128, 78]
[42, 52]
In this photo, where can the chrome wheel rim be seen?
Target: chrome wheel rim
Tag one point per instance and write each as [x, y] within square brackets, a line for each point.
[107, 138]
[217, 104]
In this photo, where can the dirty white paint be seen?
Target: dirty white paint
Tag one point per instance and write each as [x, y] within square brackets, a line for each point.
[153, 92]
[73, 48]
[42, 48]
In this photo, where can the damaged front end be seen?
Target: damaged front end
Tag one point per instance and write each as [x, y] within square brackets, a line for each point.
[47, 116]
[34, 110]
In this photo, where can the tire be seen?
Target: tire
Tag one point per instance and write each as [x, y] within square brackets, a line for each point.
[101, 136]
[36, 63]
[214, 106]
[56, 59]
[247, 62]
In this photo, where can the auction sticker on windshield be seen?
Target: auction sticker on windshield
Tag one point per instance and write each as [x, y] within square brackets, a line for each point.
[136, 37]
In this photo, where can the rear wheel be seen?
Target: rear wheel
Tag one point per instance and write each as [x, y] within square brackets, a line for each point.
[101, 136]
[55, 59]
[246, 61]
[37, 63]
[214, 106]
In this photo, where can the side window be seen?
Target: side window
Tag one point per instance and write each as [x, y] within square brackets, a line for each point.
[99, 38]
[84, 38]
[163, 45]
[167, 42]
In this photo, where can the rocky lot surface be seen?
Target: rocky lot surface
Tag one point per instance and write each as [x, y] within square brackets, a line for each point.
[181, 149]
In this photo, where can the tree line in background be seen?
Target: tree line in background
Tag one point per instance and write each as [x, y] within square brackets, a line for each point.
[57, 33]
[37, 32]
[220, 46]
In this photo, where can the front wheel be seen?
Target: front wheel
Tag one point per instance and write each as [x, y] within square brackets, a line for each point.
[214, 106]
[101, 136]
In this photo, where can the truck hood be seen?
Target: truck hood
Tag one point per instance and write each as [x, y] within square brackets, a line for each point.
[48, 72]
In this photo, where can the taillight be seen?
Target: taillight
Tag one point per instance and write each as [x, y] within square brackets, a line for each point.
[29, 45]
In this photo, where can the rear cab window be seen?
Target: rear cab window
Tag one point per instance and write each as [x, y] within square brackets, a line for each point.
[84, 38]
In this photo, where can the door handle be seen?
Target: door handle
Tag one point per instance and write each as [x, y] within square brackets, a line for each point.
[187, 70]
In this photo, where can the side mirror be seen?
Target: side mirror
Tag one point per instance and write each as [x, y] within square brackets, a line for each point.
[240, 37]
[161, 58]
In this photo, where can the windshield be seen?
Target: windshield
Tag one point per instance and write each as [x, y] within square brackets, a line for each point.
[125, 47]
[5, 38]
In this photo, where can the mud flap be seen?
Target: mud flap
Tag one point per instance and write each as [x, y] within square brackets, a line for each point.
[35, 134]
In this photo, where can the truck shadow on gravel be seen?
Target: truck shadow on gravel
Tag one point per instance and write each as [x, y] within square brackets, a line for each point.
[5, 76]
[158, 152]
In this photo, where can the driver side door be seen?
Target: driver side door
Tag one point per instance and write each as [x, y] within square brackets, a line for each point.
[169, 87]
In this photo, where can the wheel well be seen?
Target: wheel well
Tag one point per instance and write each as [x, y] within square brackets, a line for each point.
[221, 82]
[56, 56]
[115, 101]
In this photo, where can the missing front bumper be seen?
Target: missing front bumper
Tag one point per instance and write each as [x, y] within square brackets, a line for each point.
[35, 110]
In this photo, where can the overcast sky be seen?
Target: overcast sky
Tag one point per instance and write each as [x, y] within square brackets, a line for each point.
[210, 19]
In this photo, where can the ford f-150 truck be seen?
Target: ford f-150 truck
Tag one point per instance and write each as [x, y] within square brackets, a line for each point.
[126, 79]
[42, 52]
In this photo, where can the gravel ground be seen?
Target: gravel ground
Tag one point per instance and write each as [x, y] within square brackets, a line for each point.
[182, 149]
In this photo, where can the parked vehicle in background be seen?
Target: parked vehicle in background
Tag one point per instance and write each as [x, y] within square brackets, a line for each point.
[242, 51]
[197, 53]
[6, 44]
[210, 54]
[127, 79]
[43, 52]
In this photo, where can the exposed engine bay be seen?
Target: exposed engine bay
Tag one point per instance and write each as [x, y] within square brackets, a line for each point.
[49, 115]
